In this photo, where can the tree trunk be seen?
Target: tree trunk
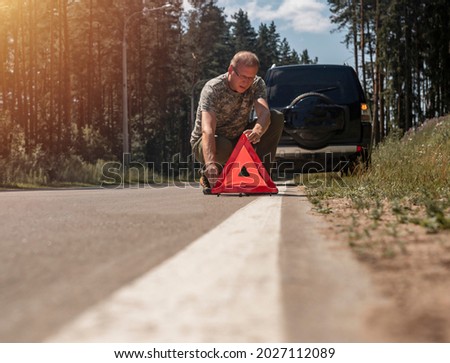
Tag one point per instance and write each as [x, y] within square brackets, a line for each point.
[382, 105]
[51, 112]
[376, 77]
[32, 79]
[408, 69]
[355, 34]
[90, 66]
[67, 94]
[363, 46]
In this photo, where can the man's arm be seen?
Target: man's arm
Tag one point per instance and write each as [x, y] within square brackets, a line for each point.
[263, 122]
[209, 145]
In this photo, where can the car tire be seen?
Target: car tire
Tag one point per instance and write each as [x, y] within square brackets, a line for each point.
[312, 119]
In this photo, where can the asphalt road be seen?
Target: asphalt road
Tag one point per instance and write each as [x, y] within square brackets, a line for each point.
[169, 264]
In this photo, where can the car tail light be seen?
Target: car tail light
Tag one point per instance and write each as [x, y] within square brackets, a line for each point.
[359, 148]
[365, 113]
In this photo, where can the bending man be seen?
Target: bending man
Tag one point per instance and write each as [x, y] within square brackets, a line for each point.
[223, 114]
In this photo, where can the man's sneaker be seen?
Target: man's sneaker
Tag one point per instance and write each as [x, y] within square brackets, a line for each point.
[204, 183]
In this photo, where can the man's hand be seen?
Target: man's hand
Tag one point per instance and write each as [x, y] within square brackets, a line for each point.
[254, 135]
[212, 173]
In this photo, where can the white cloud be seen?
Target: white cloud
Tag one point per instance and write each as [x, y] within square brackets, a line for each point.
[309, 16]
[303, 16]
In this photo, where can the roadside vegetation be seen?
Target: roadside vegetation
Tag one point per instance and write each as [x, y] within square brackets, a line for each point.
[35, 171]
[407, 183]
[30, 172]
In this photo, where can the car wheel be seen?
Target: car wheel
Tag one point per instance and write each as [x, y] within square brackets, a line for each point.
[313, 118]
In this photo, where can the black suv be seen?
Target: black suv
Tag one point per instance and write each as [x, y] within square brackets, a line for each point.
[327, 121]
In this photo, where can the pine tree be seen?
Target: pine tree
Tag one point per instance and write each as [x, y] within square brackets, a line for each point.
[208, 40]
[243, 35]
[267, 47]
[306, 59]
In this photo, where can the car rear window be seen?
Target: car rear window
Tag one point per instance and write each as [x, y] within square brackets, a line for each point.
[338, 83]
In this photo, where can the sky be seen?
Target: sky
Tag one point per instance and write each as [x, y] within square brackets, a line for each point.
[304, 23]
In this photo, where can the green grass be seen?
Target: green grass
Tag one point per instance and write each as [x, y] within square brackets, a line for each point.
[31, 172]
[406, 173]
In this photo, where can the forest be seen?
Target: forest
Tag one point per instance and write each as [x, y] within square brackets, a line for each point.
[402, 53]
[62, 67]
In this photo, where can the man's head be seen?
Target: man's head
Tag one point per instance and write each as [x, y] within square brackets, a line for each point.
[242, 71]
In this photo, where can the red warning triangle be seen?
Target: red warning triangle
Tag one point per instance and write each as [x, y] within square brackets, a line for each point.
[244, 172]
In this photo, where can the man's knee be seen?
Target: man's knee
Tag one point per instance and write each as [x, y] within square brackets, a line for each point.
[224, 148]
[276, 119]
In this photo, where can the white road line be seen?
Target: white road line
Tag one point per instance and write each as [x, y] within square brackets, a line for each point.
[224, 287]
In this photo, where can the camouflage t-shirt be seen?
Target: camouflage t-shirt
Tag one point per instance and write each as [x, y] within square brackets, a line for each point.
[232, 109]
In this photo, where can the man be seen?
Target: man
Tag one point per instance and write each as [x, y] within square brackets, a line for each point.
[223, 114]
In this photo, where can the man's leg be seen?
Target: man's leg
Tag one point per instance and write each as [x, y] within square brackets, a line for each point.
[224, 148]
[267, 147]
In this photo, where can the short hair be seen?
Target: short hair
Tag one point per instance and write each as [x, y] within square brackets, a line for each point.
[245, 58]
